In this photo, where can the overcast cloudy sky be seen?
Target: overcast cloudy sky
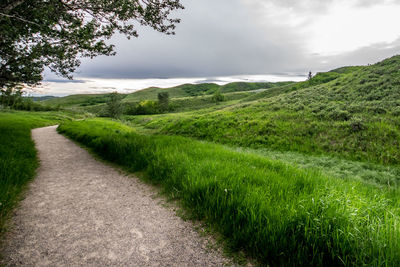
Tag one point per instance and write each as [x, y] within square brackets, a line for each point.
[241, 38]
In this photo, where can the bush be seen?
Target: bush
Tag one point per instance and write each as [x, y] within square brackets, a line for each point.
[163, 101]
[145, 107]
[396, 111]
[114, 106]
[356, 125]
[218, 97]
[339, 115]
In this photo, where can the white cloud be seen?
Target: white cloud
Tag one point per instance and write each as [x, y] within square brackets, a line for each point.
[348, 27]
[334, 26]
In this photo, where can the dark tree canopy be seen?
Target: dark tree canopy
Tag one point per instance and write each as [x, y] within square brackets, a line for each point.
[163, 100]
[54, 33]
[114, 106]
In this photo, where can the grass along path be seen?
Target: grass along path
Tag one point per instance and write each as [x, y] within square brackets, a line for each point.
[18, 160]
[280, 214]
[375, 174]
[79, 211]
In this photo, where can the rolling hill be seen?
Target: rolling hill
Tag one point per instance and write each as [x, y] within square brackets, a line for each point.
[181, 91]
[351, 112]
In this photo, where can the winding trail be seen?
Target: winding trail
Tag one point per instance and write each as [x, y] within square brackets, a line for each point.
[81, 212]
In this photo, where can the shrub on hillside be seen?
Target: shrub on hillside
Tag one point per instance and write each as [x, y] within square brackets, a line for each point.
[145, 107]
[396, 111]
[163, 101]
[114, 106]
[339, 115]
[218, 97]
[356, 125]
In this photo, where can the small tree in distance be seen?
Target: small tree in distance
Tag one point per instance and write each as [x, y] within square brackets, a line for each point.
[163, 101]
[309, 75]
[114, 106]
[218, 97]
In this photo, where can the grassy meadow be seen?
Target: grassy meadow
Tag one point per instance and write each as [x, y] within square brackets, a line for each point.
[182, 98]
[350, 112]
[18, 159]
[280, 214]
[304, 173]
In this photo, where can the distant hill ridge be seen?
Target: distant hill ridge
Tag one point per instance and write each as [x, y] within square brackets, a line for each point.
[184, 90]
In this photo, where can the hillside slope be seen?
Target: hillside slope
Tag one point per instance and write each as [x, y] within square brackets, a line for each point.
[354, 113]
[191, 90]
[182, 98]
[77, 100]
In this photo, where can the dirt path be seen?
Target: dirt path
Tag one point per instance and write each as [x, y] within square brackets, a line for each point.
[80, 212]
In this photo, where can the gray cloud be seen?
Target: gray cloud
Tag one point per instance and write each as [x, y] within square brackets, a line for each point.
[64, 81]
[209, 80]
[228, 37]
[318, 5]
[363, 56]
[215, 38]
[102, 87]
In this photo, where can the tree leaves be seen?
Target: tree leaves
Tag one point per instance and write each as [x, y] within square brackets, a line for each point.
[55, 33]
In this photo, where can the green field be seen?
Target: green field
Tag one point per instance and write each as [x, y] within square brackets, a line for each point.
[18, 160]
[303, 173]
[183, 97]
[280, 214]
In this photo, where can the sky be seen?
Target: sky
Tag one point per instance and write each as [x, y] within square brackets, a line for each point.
[243, 40]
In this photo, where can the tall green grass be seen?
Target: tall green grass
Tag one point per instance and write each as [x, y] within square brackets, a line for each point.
[376, 174]
[373, 139]
[18, 160]
[280, 214]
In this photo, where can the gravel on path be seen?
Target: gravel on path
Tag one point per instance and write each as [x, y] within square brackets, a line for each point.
[80, 212]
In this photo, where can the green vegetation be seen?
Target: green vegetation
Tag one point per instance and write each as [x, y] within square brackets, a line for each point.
[18, 160]
[163, 101]
[208, 101]
[218, 97]
[77, 100]
[188, 90]
[309, 174]
[375, 174]
[12, 98]
[114, 107]
[180, 98]
[278, 213]
[349, 112]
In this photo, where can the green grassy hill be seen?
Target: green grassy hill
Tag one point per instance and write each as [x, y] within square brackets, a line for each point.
[178, 92]
[184, 90]
[77, 100]
[189, 90]
[352, 112]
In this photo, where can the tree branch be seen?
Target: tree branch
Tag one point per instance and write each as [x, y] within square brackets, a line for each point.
[7, 9]
[19, 18]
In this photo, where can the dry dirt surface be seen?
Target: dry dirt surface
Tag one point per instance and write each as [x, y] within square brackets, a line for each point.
[80, 212]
